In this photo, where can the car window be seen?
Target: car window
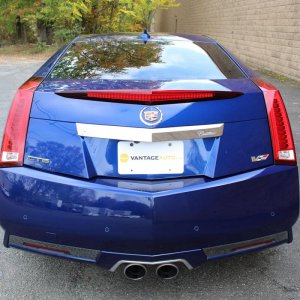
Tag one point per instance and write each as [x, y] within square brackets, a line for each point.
[135, 60]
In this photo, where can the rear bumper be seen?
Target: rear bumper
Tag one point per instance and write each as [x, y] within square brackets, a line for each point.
[181, 220]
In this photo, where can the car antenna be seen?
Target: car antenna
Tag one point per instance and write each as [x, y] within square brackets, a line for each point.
[145, 36]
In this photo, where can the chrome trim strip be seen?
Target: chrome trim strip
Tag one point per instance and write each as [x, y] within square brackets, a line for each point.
[74, 251]
[121, 262]
[150, 134]
[230, 248]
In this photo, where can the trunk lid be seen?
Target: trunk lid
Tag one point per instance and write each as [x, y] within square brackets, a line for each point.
[55, 145]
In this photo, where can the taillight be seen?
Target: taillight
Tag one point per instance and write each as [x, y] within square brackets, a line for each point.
[151, 96]
[281, 133]
[13, 143]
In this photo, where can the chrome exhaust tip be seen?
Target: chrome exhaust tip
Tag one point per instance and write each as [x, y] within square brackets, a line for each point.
[135, 272]
[167, 271]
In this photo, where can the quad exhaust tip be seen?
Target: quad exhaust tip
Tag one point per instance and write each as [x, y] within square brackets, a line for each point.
[135, 271]
[167, 271]
[138, 271]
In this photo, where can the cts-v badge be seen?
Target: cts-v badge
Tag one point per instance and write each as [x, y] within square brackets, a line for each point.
[151, 115]
[259, 157]
[39, 159]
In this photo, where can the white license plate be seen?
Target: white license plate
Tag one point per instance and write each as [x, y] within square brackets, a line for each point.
[151, 158]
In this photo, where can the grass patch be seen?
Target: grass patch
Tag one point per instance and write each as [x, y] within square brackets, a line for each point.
[30, 51]
[282, 78]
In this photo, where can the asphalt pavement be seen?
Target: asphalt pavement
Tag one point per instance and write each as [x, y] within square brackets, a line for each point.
[270, 274]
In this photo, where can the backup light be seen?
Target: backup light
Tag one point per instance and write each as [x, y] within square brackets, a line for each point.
[13, 143]
[281, 133]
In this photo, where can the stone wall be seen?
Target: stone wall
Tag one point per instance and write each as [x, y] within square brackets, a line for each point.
[264, 34]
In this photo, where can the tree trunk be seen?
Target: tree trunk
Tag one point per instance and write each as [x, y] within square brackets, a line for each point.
[49, 35]
[18, 28]
[24, 33]
[41, 31]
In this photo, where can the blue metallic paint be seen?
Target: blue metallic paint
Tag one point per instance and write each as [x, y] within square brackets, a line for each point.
[142, 219]
[114, 219]
[47, 105]
[52, 129]
[90, 157]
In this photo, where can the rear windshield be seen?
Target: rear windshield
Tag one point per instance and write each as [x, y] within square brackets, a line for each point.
[156, 60]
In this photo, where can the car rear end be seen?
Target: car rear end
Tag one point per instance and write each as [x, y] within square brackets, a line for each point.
[147, 154]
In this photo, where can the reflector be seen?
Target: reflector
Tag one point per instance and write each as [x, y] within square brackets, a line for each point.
[43, 247]
[250, 245]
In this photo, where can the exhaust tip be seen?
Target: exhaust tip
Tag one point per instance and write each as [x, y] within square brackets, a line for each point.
[135, 272]
[167, 271]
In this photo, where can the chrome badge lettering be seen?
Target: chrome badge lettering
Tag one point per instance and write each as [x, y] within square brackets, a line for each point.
[39, 159]
[259, 157]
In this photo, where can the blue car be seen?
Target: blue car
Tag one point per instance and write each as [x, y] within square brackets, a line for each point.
[133, 151]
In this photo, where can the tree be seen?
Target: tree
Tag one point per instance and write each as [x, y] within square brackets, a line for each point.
[11, 19]
[40, 20]
[103, 16]
[64, 17]
[143, 11]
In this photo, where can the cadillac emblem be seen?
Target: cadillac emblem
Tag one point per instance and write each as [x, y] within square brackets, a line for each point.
[151, 115]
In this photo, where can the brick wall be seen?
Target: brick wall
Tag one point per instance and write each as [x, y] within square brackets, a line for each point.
[265, 34]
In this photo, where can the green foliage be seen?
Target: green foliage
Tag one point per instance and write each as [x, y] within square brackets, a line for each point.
[63, 17]
[123, 15]
[62, 13]
[63, 35]
[60, 21]
[40, 47]
[143, 11]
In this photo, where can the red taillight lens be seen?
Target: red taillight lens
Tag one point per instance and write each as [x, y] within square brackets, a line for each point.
[151, 96]
[281, 133]
[13, 143]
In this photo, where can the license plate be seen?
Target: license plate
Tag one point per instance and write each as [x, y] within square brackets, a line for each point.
[151, 158]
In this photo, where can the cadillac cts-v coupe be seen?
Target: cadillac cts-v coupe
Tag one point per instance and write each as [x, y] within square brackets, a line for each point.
[135, 151]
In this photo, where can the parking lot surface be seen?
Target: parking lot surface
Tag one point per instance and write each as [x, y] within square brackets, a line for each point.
[270, 274]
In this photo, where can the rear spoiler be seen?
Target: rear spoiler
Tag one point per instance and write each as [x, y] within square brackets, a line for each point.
[150, 96]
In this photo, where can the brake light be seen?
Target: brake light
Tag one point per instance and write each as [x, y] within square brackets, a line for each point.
[13, 143]
[281, 133]
[151, 96]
